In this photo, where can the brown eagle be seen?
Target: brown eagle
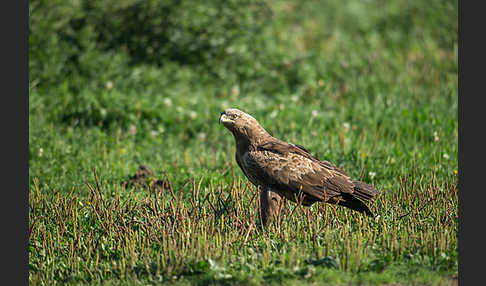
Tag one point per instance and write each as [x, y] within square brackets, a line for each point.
[289, 170]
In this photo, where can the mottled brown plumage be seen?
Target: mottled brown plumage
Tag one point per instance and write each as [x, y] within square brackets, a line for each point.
[290, 170]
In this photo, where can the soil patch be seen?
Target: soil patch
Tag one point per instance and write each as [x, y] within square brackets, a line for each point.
[144, 178]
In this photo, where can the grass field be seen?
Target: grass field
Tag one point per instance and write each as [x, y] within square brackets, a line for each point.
[370, 86]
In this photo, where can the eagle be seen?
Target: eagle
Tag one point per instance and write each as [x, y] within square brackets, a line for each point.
[282, 169]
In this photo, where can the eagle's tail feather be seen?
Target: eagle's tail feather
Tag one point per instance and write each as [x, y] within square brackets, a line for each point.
[364, 191]
[355, 204]
[356, 201]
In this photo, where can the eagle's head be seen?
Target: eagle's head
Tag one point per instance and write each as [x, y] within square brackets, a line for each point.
[241, 124]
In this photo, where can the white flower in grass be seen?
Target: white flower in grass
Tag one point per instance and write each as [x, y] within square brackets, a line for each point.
[41, 151]
[167, 101]
[372, 175]
[202, 136]
[274, 114]
[346, 126]
[294, 98]
[446, 156]
[109, 84]
[192, 114]
[315, 113]
[436, 136]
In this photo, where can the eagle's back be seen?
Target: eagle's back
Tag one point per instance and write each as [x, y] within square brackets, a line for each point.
[293, 171]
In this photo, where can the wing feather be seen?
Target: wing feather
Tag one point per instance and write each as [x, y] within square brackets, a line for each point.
[292, 169]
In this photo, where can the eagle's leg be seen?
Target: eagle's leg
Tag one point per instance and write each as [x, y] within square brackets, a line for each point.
[271, 205]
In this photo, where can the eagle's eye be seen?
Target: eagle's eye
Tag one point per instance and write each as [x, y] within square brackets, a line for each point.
[233, 116]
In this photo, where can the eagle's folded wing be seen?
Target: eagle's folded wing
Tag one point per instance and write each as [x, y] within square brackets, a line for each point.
[291, 169]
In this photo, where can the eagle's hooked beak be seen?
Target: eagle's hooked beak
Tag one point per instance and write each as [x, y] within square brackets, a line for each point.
[223, 118]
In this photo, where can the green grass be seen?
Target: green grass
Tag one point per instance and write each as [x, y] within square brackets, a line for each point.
[369, 86]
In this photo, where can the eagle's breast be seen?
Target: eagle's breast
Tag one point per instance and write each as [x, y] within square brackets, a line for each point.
[252, 169]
